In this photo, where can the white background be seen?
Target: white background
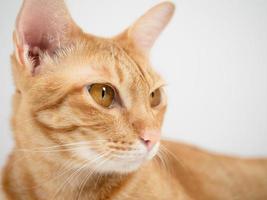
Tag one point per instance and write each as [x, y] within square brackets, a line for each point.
[213, 56]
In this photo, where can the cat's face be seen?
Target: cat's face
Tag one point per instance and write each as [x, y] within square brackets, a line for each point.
[99, 99]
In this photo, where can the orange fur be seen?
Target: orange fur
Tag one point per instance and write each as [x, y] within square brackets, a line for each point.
[57, 125]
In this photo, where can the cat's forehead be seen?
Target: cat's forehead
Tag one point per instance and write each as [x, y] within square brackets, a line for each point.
[107, 62]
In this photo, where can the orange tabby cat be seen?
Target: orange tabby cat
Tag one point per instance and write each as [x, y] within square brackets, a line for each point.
[87, 118]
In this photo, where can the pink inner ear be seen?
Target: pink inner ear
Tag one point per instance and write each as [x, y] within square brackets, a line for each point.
[37, 38]
[38, 24]
[36, 35]
[147, 28]
[42, 26]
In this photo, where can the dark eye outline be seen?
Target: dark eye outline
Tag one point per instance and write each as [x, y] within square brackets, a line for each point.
[116, 100]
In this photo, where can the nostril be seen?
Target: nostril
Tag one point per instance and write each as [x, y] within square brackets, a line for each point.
[150, 138]
[147, 143]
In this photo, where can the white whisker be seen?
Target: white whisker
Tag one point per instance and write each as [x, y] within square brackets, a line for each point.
[76, 172]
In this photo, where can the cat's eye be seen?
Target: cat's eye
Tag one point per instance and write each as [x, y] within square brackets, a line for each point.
[155, 98]
[102, 94]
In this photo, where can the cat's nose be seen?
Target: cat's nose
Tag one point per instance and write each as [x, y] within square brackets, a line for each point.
[150, 138]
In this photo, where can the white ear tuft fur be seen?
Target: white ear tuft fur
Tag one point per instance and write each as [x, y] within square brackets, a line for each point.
[147, 28]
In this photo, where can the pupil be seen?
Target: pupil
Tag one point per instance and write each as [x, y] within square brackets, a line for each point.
[152, 94]
[103, 92]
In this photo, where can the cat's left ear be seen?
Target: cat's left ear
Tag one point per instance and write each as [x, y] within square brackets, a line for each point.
[42, 26]
[144, 32]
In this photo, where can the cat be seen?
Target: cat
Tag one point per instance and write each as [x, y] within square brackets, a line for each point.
[87, 118]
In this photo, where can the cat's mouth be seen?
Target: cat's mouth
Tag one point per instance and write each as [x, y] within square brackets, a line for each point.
[107, 161]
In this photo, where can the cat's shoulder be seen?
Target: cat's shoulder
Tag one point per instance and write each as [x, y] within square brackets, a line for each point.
[181, 151]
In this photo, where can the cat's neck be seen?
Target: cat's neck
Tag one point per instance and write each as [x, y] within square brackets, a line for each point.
[43, 177]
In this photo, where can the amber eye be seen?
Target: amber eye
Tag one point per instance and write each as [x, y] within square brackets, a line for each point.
[155, 98]
[102, 94]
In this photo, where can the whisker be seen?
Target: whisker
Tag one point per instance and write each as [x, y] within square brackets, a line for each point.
[168, 152]
[76, 172]
[63, 145]
[82, 185]
[69, 178]
[68, 167]
[57, 150]
[161, 158]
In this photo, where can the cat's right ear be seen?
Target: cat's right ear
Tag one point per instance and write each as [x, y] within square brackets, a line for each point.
[42, 26]
[145, 31]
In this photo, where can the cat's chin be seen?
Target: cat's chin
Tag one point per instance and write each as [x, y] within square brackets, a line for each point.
[125, 164]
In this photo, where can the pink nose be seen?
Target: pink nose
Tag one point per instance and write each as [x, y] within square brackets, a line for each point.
[150, 138]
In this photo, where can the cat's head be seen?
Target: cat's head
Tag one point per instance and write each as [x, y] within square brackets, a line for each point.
[96, 99]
